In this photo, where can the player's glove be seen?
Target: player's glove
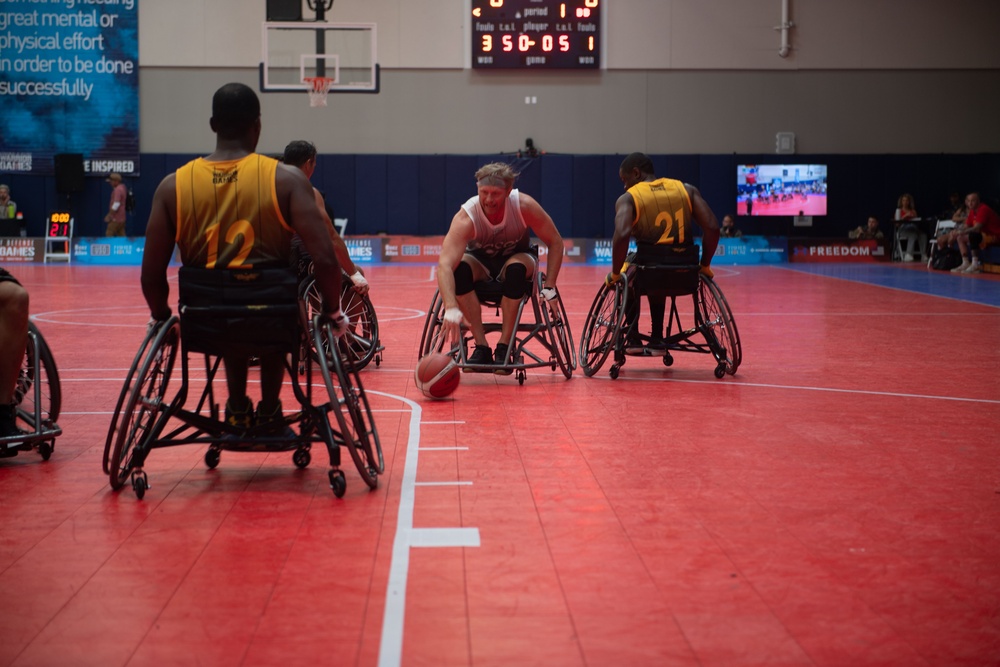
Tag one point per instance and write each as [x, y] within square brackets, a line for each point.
[360, 283]
[340, 323]
[706, 271]
[548, 293]
[612, 278]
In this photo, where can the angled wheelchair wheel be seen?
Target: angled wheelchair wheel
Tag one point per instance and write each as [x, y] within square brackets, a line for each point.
[361, 344]
[601, 328]
[47, 406]
[715, 319]
[132, 426]
[151, 333]
[354, 428]
[432, 325]
[557, 324]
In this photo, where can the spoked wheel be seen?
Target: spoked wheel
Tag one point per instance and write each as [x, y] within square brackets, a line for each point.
[359, 345]
[145, 403]
[140, 356]
[715, 319]
[557, 323]
[432, 326]
[50, 395]
[356, 428]
[600, 329]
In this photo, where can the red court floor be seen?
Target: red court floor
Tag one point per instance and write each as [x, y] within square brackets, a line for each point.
[836, 502]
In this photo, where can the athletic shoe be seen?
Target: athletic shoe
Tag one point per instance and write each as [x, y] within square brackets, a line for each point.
[633, 345]
[907, 257]
[8, 427]
[481, 356]
[276, 418]
[241, 418]
[500, 359]
[657, 347]
[974, 267]
[962, 267]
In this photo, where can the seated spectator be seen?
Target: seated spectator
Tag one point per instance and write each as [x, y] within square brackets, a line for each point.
[728, 229]
[906, 227]
[870, 231]
[8, 209]
[981, 229]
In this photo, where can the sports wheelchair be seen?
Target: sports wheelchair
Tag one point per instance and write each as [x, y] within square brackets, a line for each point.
[546, 342]
[38, 397]
[258, 310]
[361, 344]
[608, 327]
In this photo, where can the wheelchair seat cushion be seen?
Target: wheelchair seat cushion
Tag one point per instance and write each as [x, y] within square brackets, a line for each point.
[249, 311]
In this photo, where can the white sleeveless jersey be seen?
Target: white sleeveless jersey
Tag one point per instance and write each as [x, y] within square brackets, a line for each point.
[507, 238]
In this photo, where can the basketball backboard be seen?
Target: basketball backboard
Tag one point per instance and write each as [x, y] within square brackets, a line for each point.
[293, 52]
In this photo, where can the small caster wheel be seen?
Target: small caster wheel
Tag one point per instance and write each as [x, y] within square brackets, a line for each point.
[338, 483]
[139, 485]
[373, 474]
[668, 360]
[301, 458]
[212, 457]
[614, 372]
[521, 375]
[378, 360]
[720, 370]
[45, 449]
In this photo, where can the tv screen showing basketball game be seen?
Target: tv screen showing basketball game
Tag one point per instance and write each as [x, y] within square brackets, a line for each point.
[781, 189]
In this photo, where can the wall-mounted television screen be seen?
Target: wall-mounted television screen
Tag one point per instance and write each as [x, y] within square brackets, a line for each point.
[781, 189]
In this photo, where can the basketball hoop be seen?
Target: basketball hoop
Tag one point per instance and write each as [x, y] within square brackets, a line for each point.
[319, 86]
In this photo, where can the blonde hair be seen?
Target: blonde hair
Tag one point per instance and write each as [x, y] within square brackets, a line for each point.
[913, 204]
[498, 171]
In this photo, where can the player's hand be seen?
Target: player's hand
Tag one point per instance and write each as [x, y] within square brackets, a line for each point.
[159, 317]
[612, 278]
[452, 323]
[361, 285]
[706, 271]
[549, 293]
[340, 323]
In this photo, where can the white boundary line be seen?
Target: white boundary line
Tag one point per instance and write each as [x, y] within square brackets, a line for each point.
[407, 537]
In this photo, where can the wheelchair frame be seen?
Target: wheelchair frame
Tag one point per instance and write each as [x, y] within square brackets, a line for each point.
[604, 329]
[141, 416]
[38, 396]
[548, 342]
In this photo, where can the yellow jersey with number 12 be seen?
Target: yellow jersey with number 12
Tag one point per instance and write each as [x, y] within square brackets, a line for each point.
[662, 212]
[228, 215]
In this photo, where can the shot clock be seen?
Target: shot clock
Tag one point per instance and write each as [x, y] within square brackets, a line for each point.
[59, 224]
[536, 34]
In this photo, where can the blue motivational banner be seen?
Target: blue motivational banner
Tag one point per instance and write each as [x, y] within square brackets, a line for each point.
[69, 83]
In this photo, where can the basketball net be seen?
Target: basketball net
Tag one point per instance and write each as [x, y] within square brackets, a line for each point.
[319, 86]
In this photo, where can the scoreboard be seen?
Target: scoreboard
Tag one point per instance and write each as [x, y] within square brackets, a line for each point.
[536, 34]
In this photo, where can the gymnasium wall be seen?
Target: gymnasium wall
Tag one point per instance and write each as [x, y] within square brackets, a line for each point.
[894, 96]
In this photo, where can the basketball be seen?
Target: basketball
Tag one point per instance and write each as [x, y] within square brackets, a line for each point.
[437, 375]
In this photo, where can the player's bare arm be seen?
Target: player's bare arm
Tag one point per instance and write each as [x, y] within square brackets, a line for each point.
[541, 223]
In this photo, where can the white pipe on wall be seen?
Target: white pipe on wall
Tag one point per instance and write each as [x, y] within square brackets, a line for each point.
[785, 25]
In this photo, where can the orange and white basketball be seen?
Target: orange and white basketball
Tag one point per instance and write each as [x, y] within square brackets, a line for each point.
[437, 375]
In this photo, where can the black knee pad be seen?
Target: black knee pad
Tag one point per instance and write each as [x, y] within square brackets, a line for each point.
[515, 280]
[463, 279]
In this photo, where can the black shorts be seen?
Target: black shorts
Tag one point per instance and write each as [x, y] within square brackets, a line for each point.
[5, 277]
[494, 263]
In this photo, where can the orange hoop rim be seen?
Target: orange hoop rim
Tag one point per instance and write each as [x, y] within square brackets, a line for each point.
[319, 87]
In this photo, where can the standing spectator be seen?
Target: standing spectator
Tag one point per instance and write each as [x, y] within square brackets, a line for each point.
[8, 209]
[729, 227]
[981, 229]
[116, 208]
[906, 226]
[868, 232]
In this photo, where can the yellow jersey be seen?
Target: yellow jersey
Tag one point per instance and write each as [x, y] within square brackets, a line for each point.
[662, 212]
[228, 215]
